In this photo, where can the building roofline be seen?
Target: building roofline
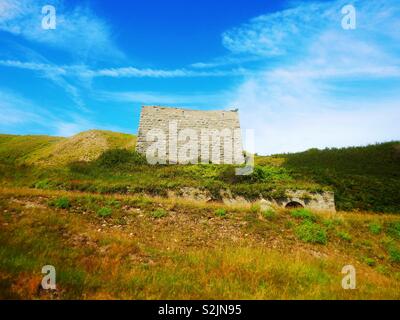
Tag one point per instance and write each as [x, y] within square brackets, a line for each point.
[187, 109]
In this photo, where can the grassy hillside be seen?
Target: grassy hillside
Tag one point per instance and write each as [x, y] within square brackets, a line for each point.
[116, 238]
[57, 151]
[18, 149]
[365, 178]
[131, 247]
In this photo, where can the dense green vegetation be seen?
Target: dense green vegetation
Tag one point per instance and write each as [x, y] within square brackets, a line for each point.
[364, 178]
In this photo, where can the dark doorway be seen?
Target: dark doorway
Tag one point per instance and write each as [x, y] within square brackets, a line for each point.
[294, 205]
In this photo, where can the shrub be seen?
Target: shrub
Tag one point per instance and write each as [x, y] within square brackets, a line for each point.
[220, 212]
[369, 261]
[115, 157]
[268, 214]
[344, 235]
[375, 227]
[331, 223]
[303, 214]
[309, 231]
[43, 184]
[61, 203]
[270, 173]
[393, 229]
[255, 208]
[104, 212]
[394, 253]
[159, 213]
[113, 203]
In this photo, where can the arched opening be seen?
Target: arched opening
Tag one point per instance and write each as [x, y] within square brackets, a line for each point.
[293, 205]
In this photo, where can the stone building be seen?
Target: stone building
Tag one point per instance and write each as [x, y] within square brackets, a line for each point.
[175, 135]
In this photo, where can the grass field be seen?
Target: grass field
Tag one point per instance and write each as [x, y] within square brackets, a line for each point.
[91, 207]
[155, 248]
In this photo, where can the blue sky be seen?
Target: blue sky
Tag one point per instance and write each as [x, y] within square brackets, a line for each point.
[298, 78]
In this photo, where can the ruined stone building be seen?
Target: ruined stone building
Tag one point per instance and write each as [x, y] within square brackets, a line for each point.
[175, 135]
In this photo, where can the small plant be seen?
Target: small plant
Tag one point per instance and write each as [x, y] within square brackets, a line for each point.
[220, 213]
[159, 213]
[104, 212]
[43, 184]
[394, 253]
[61, 203]
[393, 229]
[344, 235]
[375, 227]
[113, 203]
[369, 261]
[309, 231]
[268, 214]
[303, 214]
[255, 208]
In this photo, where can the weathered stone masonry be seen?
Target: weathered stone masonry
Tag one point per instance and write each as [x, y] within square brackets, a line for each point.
[164, 118]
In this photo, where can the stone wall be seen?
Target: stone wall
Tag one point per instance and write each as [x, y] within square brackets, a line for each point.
[316, 201]
[215, 132]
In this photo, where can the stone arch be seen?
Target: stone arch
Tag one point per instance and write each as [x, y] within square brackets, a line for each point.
[293, 205]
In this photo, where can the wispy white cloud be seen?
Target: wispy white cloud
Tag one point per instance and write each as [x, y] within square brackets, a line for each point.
[17, 112]
[83, 71]
[330, 91]
[78, 31]
[132, 72]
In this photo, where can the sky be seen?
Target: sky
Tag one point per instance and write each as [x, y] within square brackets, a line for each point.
[299, 79]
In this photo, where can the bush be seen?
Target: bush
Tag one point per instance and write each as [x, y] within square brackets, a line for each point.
[220, 213]
[61, 203]
[115, 157]
[303, 214]
[268, 214]
[43, 184]
[270, 173]
[255, 208]
[159, 213]
[309, 231]
[393, 229]
[369, 261]
[344, 235]
[375, 227]
[104, 212]
[394, 253]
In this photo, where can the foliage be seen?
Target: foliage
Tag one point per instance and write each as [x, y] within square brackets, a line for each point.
[268, 214]
[220, 212]
[303, 214]
[61, 203]
[309, 231]
[393, 229]
[114, 157]
[369, 261]
[159, 213]
[104, 212]
[364, 178]
[375, 227]
[344, 235]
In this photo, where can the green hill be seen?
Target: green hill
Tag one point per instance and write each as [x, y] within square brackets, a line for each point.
[58, 151]
[365, 178]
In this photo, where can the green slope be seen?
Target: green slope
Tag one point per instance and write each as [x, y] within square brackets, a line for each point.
[57, 151]
[365, 178]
